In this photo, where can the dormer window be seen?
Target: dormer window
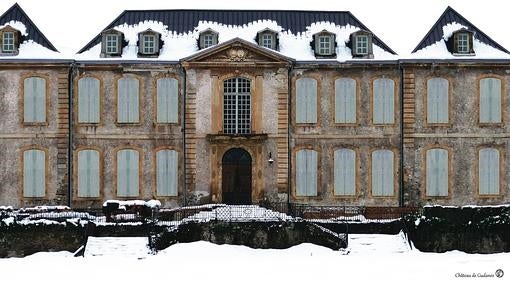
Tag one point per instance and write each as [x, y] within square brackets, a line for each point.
[148, 43]
[112, 44]
[324, 44]
[267, 39]
[361, 44]
[9, 41]
[208, 38]
[461, 43]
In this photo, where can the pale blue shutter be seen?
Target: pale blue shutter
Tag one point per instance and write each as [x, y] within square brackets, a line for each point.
[437, 172]
[306, 100]
[128, 100]
[166, 173]
[167, 100]
[437, 100]
[34, 173]
[34, 101]
[488, 171]
[88, 100]
[384, 101]
[345, 172]
[301, 173]
[490, 100]
[345, 100]
[383, 173]
[88, 173]
[311, 172]
[127, 173]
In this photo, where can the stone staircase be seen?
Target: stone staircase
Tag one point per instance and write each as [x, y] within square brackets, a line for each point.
[378, 244]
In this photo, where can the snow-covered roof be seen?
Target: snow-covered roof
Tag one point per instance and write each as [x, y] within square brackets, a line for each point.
[33, 43]
[434, 44]
[180, 30]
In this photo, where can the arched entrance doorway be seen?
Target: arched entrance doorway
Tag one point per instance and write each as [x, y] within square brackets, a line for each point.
[236, 177]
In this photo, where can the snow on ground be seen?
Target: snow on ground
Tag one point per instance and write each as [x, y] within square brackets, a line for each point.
[204, 263]
[117, 246]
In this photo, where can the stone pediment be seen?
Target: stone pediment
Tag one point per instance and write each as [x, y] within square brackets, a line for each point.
[236, 52]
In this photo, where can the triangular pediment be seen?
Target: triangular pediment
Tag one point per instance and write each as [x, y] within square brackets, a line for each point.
[237, 51]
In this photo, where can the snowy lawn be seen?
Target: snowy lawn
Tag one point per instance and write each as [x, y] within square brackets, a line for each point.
[382, 259]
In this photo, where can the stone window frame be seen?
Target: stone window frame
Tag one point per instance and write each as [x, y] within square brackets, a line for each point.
[179, 171]
[357, 166]
[502, 154]
[451, 113]
[101, 103]
[305, 199]
[141, 158]
[140, 99]
[454, 39]
[75, 174]
[451, 174]
[44, 76]
[355, 40]
[273, 37]
[503, 100]
[16, 39]
[202, 40]
[155, 100]
[294, 100]
[396, 181]
[104, 45]
[237, 114]
[142, 41]
[316, 44]
[47, 172]
[357, 79]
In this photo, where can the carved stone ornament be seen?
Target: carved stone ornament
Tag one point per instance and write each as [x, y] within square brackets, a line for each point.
[237, 55]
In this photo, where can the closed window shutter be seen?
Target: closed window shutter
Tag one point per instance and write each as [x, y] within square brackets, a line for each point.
[34, 109]
[437, 172]
[167, 100]
[167, 167]
[128, 100]
[88, 100]
[34, 173]
[88, 173]
[127, 173]
[301, 173]
[437, 100]
[311, 173]
[378, 102]
[488, 171]
[345, 172]
[382, 173]
[306, 100]
[384, 101]
[490, 100]
[345, 100]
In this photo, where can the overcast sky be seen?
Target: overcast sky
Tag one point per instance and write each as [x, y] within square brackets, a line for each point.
[401, 24]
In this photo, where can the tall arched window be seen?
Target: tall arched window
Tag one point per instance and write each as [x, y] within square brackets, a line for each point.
[88, 100]
[88, 174]
[237, 106]
[383, 173]
[306, 172]
[488, 171]
[384, 101]
[34, 173]
[306, 100]
[128, 100]
[490, 100]
[437, 100]
[345, 100]
[128, 166]
[436, 173]
[345, 172]
[34, 100]
[166, 172]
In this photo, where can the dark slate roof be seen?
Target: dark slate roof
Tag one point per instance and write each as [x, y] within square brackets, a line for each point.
[182, 21]
[15, 13]
[449, 16]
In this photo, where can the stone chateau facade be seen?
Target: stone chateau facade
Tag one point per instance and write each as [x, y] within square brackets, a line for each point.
[240, 107]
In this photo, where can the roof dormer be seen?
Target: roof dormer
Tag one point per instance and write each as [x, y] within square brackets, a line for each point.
[361, 44]
[324, 44]
[112, 43]
[461, 43]
[207, 39]
[10, 40]
[267, 38]
[149, 43]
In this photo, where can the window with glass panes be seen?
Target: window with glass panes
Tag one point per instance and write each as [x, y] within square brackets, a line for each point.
[236, 106]
[361, 45]
[324, 45]
[267, 41]
[149, 44]
[111, 44]
[208, 40]
[8, 42]
[463, 43]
